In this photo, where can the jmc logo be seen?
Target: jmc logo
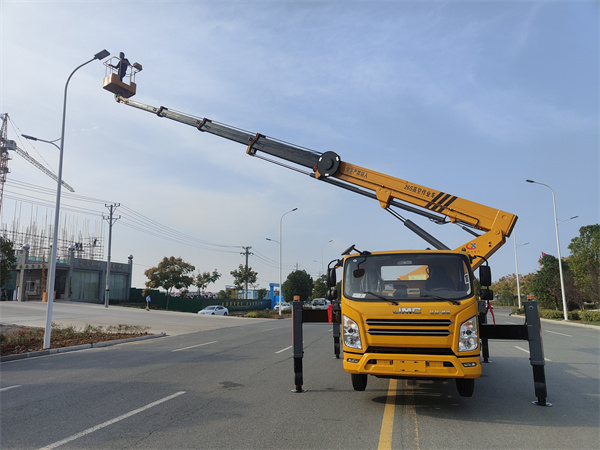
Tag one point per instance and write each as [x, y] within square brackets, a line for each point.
[408, 311]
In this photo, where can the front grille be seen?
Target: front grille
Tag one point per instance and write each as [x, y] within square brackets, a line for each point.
[409, 322]
[394, 332]
[408, 327]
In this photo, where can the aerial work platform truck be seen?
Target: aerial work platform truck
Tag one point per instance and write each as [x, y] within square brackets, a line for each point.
[399, 313]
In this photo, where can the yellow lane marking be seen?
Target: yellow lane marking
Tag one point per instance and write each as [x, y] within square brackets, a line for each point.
[387, 423]
[407, 409]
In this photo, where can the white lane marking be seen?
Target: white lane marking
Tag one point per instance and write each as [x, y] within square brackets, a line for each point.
[556, 332]
[527, 351]
[111, 422]
[10, 387]
[284, 349]
[269, 329]
[194, 346]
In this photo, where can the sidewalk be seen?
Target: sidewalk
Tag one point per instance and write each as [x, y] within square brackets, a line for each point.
[33, 314]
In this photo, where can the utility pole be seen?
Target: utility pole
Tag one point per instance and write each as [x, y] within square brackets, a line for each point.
[246, 252]
[111, 220]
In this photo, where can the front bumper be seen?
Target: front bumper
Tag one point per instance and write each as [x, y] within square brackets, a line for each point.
[412, 366]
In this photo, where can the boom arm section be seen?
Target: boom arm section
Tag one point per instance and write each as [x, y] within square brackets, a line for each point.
[496, 224]
[389, 191]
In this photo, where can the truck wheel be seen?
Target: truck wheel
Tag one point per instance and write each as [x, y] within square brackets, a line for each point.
[359, 382]
[465, 386]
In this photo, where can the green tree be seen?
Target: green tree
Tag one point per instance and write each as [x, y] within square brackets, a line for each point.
[546, 287]
[320, 287]
[205, 278]
[262, 293]
[8, 260]
[242, 275]
[525, 282]
[506, 289]
[171, 273]
[300, 283]
[226, 294]
[584, 262]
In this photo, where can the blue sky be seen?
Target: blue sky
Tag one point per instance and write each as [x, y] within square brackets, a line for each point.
[468, 97]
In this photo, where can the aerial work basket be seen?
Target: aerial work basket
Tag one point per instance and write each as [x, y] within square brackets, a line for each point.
[112, 81]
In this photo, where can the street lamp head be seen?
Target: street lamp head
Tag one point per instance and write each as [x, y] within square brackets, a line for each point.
[101, 55]
[31, 138]
[295, 209]
[530, 181]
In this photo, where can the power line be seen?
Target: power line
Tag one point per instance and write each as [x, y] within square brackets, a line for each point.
[33, 194]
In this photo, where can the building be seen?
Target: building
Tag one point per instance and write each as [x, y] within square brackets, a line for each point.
[77, 279]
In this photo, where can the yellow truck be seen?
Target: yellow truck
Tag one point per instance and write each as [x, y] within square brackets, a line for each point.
[406, 313]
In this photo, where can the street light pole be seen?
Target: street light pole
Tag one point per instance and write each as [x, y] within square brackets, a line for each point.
[279, 296]
[517, 267]
[51, 280]
[322, 262]
[560, 271]
[280, 255]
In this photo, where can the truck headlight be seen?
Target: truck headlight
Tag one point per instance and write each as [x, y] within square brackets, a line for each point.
[351, 333]
[468, 337]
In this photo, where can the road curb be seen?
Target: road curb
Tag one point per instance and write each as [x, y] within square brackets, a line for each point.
[73, 348]
[571, 323]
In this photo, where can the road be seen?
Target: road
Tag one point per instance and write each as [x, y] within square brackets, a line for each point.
[230, 386]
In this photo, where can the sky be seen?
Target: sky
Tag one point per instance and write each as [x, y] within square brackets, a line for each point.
[468, 97]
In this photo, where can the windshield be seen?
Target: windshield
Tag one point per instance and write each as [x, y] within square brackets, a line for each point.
[407, 276]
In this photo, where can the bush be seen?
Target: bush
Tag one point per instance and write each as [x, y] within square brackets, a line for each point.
[263, 314]
[590, 316]
[584, 316]
[551, 314]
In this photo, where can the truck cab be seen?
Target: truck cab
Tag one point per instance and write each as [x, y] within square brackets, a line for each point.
[410, 314]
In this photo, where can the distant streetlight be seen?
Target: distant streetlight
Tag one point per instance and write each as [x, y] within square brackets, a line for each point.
[560, 271]
[322, 262]
[566, 220]
[517, 267]
[280, 242]
[100, 55]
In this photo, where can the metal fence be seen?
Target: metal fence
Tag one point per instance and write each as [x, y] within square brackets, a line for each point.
[159, 300]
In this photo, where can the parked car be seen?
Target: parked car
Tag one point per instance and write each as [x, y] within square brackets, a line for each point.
[215, 310]
[320, 303]
[284, 306]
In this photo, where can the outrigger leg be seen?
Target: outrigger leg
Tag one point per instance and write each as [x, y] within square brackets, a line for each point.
[531, 331]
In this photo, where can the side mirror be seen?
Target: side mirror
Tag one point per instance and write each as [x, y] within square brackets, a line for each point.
[331, 277]
[485, 276]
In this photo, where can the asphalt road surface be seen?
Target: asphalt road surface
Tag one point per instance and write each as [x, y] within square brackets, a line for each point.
[225, 382]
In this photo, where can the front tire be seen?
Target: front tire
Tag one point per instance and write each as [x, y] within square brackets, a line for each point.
[465, 386]
[359, 381]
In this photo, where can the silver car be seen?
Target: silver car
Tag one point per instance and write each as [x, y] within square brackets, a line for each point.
[215, 310]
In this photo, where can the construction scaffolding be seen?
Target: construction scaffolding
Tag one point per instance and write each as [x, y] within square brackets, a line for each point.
[87, 243]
